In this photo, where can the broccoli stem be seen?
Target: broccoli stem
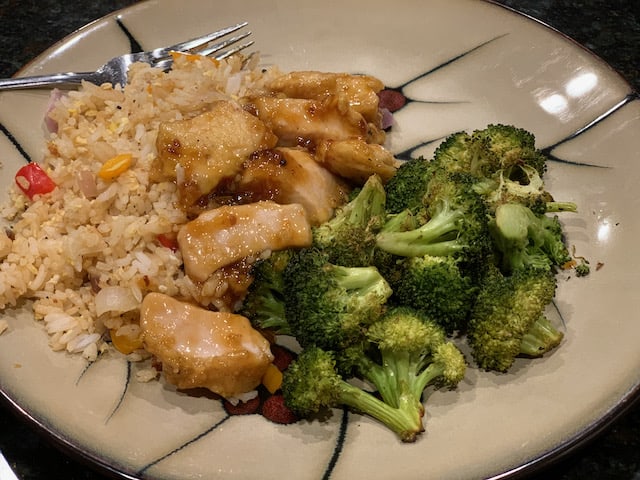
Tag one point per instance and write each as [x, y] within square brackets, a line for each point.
[273, 317]
[400, 222]
[405, 421]
[379, 376]
[401, 377]
[432, 238]
[356, 278]
[541, 338]
[368, 203]
[427, 375]
[552, 207]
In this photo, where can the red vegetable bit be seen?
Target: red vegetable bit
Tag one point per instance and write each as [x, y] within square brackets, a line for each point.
[33, 180]
[274, 409]
[392, 100]
[168, 241]
[282, 356]
[242, 408]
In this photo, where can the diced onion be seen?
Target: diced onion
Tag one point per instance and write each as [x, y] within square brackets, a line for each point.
[87, 184]
[115, 299]
[387, 118]
[50, 124]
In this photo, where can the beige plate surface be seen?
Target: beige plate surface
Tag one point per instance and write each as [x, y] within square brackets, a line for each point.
[462, 64]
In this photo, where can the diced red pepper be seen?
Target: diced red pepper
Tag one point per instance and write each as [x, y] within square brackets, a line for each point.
[33, 180]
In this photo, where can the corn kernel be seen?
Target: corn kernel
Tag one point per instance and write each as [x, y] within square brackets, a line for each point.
[124, 343]
[115, 166]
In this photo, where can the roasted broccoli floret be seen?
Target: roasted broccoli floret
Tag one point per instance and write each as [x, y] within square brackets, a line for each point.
[505, 163]
[311, 384]
[526, 187]
[348, 237]
[513, 146]
[526, 239]
[521, 184]
[435, 285]
[459, 152]
[327, 305]
[263, 304]
[457, 223]
[583, 268]
[508, 318]
[413, 353]
[407, 188]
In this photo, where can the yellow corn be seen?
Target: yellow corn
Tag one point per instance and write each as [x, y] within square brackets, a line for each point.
[115, 166]
[191, 57]
[272, 379]
[124, 343]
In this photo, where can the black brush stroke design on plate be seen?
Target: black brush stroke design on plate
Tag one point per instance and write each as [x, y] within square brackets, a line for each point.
[134, 45]
[394, 99]
[548, 151]
[212, 428]
[337, 451]
[23, 153]
[123, 393]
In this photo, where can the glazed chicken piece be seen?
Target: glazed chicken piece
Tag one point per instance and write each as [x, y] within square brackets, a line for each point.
[297, 121]
[199, 348]
[358, 91]
[292, 175]
[356, 160]
[224, 235]
[199, 152]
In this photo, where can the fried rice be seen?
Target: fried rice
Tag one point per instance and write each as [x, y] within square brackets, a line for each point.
[91, 235]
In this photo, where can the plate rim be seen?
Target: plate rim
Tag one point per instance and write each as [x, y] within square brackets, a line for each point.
[562, 451]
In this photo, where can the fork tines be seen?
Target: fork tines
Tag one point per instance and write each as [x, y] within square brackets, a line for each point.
[203, 45]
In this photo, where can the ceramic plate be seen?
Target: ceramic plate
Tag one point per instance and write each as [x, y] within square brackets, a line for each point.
[460, 65]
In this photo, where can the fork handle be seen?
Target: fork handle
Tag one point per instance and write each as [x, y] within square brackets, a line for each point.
[69, 79]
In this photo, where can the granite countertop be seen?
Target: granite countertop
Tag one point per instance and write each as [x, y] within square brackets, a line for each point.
[610, 28]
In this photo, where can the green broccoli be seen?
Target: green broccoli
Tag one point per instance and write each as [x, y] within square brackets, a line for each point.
[327, 305]
[457, 223]
[264, 304]
[526, 239]
[349, 236]
[583, 268]
[464, 243]
[435, 285]
[413, 354]
[505, 164]
[508, 318]
[460, 153]
[513, 146]
[408, 186]
[521, 184]
[311, 384]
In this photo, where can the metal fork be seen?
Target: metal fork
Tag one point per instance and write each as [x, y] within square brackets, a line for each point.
[115, 71]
